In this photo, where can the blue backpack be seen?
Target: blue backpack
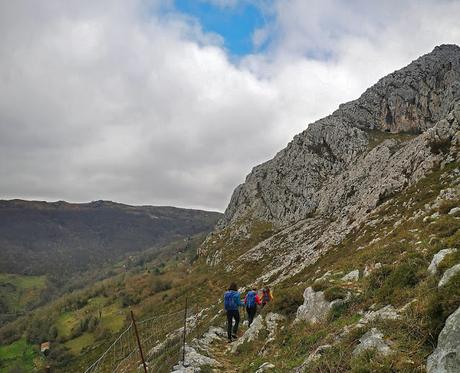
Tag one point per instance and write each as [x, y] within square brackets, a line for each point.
[229, 300]
[251, 299]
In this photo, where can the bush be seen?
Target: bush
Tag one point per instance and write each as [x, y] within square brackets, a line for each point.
[320, 285]
[288, 300]
[160, 285]
[101, 333]
[334, 293]
[60, 355]
[404, 275]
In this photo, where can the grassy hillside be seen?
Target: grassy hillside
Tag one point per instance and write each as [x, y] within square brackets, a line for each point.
[401, 237]
[17, 291]
[62, 238]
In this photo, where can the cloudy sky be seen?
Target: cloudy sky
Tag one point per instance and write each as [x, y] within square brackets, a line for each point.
[173, 102]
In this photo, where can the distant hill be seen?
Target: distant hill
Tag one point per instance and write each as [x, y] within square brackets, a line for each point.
[40, 237]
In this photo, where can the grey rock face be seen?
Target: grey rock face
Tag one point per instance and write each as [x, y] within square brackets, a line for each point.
[315, 307]
[351, 276]
[446, 356]
[437, 258]
[333, 175]
[414, 99]
[447, 276]
[373, 339]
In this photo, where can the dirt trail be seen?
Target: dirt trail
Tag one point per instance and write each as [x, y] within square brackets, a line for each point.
[221, 352]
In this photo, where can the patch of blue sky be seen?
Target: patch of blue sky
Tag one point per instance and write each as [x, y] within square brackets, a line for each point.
[235, 24]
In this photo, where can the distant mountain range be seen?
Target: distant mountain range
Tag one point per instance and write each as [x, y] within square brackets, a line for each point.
[41, 237]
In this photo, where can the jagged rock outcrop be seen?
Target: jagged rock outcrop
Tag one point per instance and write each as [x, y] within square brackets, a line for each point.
[446, 356]
[315, 307]
[414, 99]
[342, 168]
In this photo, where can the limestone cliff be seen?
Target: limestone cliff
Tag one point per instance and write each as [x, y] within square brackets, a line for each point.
[333, 164]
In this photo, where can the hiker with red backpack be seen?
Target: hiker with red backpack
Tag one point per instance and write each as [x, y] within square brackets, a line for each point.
[266, 296]
[251, 301]
[232, 302]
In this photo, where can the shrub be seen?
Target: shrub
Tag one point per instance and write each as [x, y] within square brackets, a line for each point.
[288, 300]
[334, 292]
[160, 285]
[404, 275]
[320, 285]
[101, 333]
[60, 355]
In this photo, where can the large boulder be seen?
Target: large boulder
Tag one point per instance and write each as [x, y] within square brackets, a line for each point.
[315, 307]
[446, 356]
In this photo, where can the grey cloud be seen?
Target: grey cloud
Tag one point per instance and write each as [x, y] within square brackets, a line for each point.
[133, 102]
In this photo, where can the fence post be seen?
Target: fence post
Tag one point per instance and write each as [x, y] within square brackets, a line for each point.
[185, 332]
[138, 342]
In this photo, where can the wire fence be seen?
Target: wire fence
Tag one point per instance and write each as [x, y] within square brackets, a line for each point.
[161, 338]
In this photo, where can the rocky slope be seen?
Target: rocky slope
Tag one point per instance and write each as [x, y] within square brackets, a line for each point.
[329, 179]
[351, 214]
[334, 152]
[40, 237]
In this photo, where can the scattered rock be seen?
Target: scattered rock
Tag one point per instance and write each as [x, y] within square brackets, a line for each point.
[314, 356]
[373, 339]
[324, 277]
[193, 362]
[455, 211]
[179, 368]
[446, 356]
[386, 313]
[369, 269]
[447, 276]
[195, 359]
[437, 258]
[249, 335]
[212, 335]
[264, 367]
[351, 276]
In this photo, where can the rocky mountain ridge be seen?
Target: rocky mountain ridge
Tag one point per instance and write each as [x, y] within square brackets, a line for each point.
[341, 169]
[298, 181]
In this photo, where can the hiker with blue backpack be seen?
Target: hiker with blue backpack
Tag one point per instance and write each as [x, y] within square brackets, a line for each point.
[251, 301]
[232, 302]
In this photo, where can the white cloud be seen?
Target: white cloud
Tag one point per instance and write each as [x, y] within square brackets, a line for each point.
[132, 102]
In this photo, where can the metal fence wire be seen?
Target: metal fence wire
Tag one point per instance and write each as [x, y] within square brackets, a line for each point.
[161, 339]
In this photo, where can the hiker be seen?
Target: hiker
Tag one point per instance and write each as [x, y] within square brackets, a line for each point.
[266, 296]
[231, 303]
[251, 301]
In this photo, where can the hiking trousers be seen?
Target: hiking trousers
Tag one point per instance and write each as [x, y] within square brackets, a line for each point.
[251, 314]
[232, 328]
